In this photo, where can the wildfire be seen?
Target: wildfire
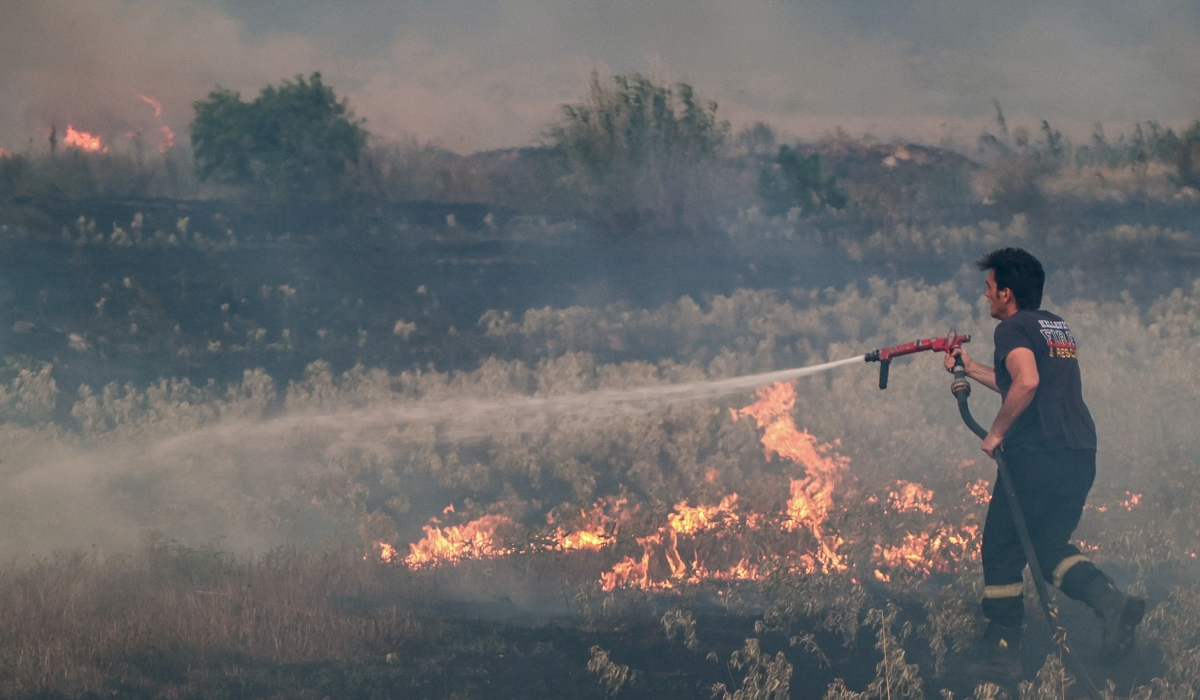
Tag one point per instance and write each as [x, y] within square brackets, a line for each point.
[980, 490]
[1132, 500]
[923, 553]
[674, 554]
[725, 542]
[473, 540]
[597, 528]
[911, 497]
[166, 134]
[811, 496]
[688, 520]
[167, 140]
[387, 553]
[84, 141]
[153, 103]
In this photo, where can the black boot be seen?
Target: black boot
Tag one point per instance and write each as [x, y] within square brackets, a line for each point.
[997, 655]
[1120, 613]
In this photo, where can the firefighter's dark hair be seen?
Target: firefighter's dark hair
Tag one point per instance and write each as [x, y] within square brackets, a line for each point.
[1019, 272]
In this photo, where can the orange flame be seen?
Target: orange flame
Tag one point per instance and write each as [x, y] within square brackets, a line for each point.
[709, 543]
[811, 496]
[168, 139]
[689, 520]
[927, 552]
[674, 555]
[980, 490]
[387, 553]
[166, 135]
[1133, 500]
[153, 103]
[597, 529]
[473, 540]
[911, 497]
[83, 141]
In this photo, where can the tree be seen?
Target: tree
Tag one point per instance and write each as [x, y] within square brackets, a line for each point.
[295, 141]
[1187, 157]
[638, 154]
[794, 180]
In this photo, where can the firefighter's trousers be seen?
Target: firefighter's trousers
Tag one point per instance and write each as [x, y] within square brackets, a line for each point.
[1052, 487]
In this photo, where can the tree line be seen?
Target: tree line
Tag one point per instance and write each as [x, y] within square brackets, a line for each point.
[633, 155]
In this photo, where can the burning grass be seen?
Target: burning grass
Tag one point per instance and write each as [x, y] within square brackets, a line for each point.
[468, 542]
[175, 621]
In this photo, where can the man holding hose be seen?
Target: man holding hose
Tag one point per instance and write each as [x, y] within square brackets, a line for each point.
[1049, 444]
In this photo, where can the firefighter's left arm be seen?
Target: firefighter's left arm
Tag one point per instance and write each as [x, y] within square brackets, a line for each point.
[1022, 366]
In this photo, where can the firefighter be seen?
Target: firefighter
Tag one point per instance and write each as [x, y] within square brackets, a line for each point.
[1049, 444]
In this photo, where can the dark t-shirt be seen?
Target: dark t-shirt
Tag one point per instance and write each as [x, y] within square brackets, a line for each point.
[1057, 417]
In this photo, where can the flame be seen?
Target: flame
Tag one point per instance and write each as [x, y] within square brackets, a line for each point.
[980, 490]
[925, 553]
[676, 554]
[168, 139]
[812, 495]
[688, 560]
[690, 520]
[473, 540]
[585, 539]
[597, 527]
[387, 553]
[698, 542]
[1132, 500]
[83, 141]
[153, 103]
[911, 497]
[166, 135]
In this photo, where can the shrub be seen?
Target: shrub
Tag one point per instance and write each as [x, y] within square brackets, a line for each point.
[639, 155]
[293, 141]
[794, 181]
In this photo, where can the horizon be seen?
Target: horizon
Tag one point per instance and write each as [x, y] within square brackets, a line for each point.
[472, 78]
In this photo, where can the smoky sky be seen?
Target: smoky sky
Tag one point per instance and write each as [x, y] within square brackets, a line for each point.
[471, 75]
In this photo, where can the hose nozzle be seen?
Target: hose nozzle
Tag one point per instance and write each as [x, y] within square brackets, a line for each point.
[884, 355]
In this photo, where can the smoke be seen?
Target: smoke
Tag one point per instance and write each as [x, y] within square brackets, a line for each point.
[470, 77]
[107, 492]
[247, 471]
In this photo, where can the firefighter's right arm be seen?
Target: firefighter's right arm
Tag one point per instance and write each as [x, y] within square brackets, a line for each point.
[981, 373]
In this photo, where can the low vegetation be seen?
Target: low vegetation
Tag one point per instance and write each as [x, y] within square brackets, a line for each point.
[258, 411]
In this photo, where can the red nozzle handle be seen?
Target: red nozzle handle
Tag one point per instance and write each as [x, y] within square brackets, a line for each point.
[884, 355]
[946, 344]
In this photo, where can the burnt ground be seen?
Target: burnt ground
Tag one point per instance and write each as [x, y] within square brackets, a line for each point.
[197, 305]
[462, 656]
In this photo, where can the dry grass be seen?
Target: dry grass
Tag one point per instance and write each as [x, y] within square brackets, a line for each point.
[74, 624]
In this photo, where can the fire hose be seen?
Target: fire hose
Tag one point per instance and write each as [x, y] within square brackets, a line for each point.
[961, 389]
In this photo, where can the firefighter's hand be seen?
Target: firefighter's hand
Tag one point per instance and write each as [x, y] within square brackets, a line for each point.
[957, 352]
[991, 443]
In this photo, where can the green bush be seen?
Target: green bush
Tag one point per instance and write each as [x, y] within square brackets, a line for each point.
[638, 155]
[794, 181]
[293, 142]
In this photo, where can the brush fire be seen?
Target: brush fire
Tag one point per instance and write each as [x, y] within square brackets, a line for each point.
[84, 141]
[724, 542]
